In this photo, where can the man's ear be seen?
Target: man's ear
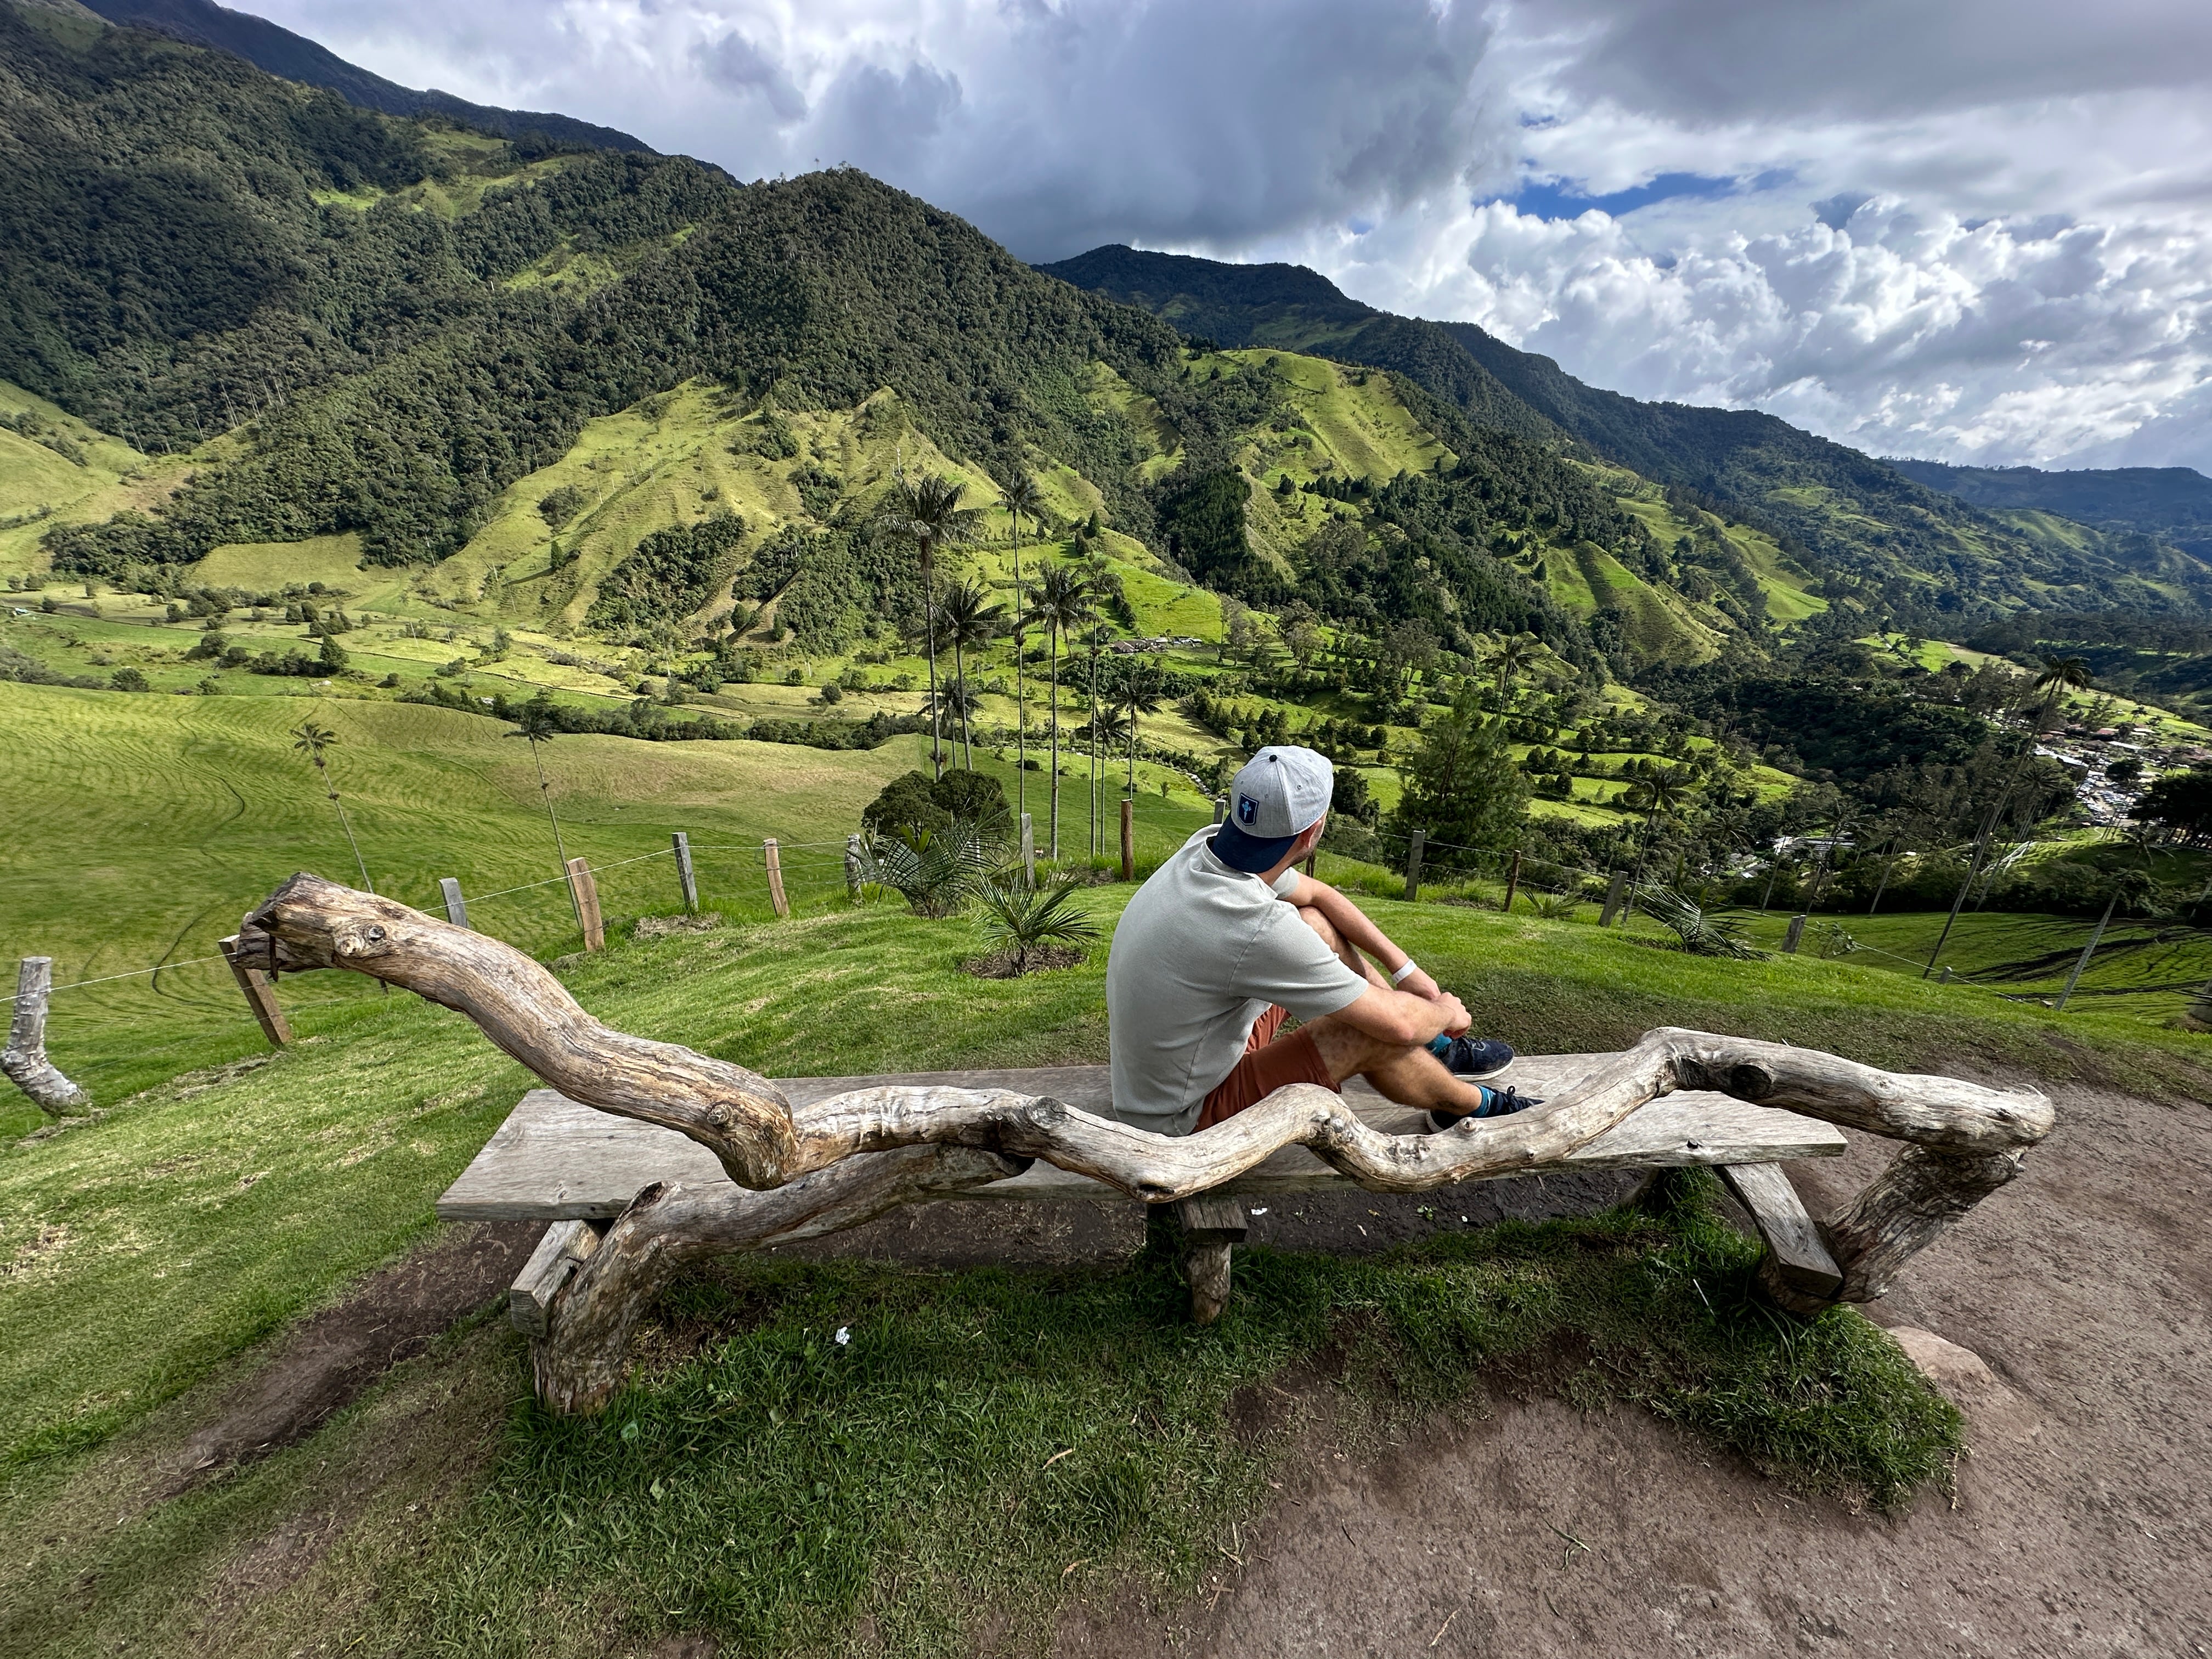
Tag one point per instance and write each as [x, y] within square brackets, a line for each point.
[1309, 837]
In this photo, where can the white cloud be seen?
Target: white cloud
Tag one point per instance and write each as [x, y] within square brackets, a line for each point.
[2015, 265]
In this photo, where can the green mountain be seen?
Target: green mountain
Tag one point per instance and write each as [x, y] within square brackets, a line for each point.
[2168, 504]
[1918, 554]
[277, 50]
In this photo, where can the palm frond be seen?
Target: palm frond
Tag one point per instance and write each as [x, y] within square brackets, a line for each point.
[1020, 920]
[1701, 932]
[936, 873]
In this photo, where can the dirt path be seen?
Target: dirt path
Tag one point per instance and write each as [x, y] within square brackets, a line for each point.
[2083, 1521]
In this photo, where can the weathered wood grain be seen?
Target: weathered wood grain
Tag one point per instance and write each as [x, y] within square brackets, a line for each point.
[529, 1016]
[24, 1059]
[1215, 1214]
[583, 887]
[553, 1157]
[260, 993]
[1205, 1263]
[1798, 1265]
[566, 1246]
[1922, 1192]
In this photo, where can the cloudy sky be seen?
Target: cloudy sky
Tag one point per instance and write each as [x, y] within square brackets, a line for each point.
[1979, 230]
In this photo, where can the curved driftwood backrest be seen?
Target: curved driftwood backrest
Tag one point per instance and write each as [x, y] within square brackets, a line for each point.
[850, 1154]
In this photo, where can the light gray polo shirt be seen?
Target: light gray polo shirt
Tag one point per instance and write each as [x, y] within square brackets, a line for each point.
[1198, 956]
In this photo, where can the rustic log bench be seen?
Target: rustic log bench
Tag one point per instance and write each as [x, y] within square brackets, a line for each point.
[696, 1156]
[556, 1161]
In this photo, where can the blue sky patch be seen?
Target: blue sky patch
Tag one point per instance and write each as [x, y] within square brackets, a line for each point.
[1560, 200]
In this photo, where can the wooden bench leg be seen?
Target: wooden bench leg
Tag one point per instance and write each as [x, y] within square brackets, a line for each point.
[1212, 1227]
[1800, 1272]
[564, 1246]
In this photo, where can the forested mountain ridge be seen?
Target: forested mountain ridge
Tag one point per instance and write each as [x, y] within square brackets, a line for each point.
[370, 327]
[2170, 504]
[280, 52]
[1916, 553]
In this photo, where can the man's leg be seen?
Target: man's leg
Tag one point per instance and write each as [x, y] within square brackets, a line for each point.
[1406, 1072]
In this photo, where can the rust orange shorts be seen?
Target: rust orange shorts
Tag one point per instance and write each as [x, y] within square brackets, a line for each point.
[1269, 1062]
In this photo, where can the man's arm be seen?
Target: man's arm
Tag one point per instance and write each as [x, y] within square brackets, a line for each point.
[1355, 929]
[1402, 1019]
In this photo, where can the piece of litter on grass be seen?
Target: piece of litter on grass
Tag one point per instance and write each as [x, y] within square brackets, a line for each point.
[1072, 1565]
[1262, 1210]
[1057, 1456]
[844, 1335]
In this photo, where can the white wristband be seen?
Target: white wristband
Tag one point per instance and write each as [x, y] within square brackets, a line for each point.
[1405, 973]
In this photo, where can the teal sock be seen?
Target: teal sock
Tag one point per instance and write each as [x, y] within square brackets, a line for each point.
[1439, 1046]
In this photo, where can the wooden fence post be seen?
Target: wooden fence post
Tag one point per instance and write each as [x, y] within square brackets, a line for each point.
[2088, 950]
[1796, 932]
[261, 995]
[1420, 838]
[24, 1059]
[457, 908]
[1029, 853]
[1219, 805]
[772, 855]
[585, 892]
[1512, 883]
[1313, 864]
[853, 867]
[1128, 840]
[684, 877]
[1612, 896]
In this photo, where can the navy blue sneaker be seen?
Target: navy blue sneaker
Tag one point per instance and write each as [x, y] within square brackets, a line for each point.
[1473, 1058]
[1496, 1103]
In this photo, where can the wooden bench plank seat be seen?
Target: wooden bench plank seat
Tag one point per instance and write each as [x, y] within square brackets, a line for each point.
[555, 1160]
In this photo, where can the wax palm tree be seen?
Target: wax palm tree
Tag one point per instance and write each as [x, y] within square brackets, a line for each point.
[970, 622]
[1660, 791]
[1132, 689]
[1515, 652]
[1061, 602]
[1018, 491]
[315, 742]
[925, 514]
[534, 724]
[2061, 675]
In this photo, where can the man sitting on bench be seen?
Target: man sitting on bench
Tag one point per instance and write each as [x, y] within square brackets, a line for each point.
[1228, 939]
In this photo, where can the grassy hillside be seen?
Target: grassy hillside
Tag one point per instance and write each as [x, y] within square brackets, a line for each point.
[1926, 551]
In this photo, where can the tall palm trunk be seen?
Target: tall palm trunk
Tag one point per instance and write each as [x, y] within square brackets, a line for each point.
[960, 695]
[1132, 751]
[545, 793]
[929, 628]
[1022, 704]
[1093, 776]
[359, 863]
[1052, 648]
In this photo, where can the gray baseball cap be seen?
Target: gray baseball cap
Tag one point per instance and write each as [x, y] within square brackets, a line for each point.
[1280, 794]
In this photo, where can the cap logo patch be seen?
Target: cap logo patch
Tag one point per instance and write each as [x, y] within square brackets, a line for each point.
[1248, 811]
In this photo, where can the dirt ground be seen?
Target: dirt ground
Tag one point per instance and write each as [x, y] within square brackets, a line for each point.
[2081, 1525]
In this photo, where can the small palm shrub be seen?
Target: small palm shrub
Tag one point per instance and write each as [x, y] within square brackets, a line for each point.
[1023, 923]
[1555, 906]
[1701, 932]
[936, 871]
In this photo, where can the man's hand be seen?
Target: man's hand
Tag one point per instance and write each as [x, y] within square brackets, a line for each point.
[1418, 983]
[1456, 1018]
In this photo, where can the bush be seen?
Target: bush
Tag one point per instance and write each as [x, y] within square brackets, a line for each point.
[129, 680]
